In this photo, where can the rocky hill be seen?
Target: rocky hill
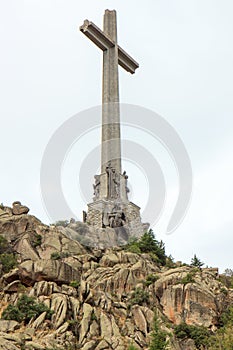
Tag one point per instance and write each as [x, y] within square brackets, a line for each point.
[100, 298]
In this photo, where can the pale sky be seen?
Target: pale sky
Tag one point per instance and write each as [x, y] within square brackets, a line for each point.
[50, 71]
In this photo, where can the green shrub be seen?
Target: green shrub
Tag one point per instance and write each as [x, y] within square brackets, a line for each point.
[2, 206]
[150, 279]
[4, 245]
[8, 262]
[158, 337]
[21, 288]
[222, 340]
[132, 347]
[75, 284]
[189, 278]
[73, 326]
[12, 313]
[58, 255]
[139, 297]
[223, 290]
[182, 331]
[170, 262]
[148, 244]
[37, 241]
[133, 246]
[196, 262]
[94, 317]
[200, 336]
[55, 256]
[63, 223]
[197, 333]
[226, 318]
[25, 309]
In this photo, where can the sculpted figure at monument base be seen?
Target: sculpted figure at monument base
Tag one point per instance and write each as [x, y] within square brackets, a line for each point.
[110, 214]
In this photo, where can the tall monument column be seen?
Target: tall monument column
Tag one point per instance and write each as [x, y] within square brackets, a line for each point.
[110, 206]
[111, 144]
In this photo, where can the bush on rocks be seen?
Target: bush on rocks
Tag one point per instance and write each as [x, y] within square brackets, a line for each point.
[25, 309]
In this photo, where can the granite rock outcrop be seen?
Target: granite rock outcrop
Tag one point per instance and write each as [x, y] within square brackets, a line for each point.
[91, 292]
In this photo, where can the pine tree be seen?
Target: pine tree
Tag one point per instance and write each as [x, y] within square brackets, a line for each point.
[158, 341]
[196, 262]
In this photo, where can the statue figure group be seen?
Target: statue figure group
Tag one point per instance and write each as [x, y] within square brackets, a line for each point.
[116, 220]
[113, 219]
[113, 184]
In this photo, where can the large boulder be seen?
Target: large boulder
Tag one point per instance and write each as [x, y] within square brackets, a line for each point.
[47, 270]
[121, 277]
[33, 241]
[7, 344]
[3, 213]
[8, 326]
[19, 209]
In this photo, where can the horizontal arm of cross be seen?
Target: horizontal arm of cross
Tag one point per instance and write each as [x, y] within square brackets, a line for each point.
[104, 43]
[96, 35]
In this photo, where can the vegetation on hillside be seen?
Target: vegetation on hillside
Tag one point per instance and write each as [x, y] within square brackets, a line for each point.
[8, 259]
[223, 339]
[197, 333]
[63, 223]
[148, 244]
[227, 278]
[196, 262]
[25, 309]
[139, 297]
[203, 338]
[158, 337]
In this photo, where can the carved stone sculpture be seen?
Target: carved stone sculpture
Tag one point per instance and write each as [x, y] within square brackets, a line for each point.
[126, 184]
[96, 187]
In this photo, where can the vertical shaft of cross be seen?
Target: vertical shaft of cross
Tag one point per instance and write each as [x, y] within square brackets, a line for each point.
[111, 135]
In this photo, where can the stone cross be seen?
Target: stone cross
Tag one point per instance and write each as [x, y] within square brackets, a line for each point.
[113, 55]
[111, 206]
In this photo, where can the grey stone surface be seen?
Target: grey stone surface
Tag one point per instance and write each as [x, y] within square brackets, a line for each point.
[8, 326]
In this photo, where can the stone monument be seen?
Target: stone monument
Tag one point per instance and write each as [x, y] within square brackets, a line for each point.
[111, 206]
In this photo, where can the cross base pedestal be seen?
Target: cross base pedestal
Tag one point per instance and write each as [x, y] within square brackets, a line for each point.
[123, 217]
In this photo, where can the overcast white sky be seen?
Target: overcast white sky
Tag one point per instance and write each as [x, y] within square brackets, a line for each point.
[50, 71]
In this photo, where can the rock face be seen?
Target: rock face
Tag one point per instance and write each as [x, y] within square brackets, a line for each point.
[192, 303]
[47, 270]
[19, 209]
[95, 237]
[92, 292]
